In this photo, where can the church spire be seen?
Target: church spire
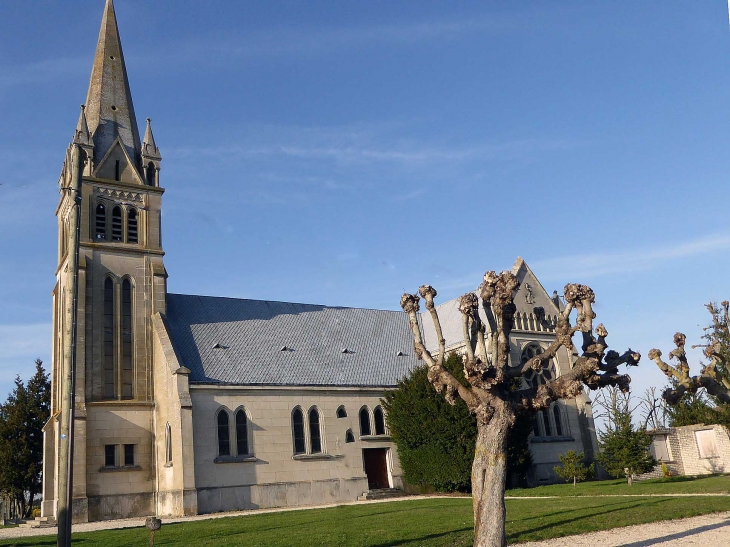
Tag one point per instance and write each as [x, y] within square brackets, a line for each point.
[109, 109]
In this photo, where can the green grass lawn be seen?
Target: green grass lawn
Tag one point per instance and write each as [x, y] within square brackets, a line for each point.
[718, 484]
[429, 523]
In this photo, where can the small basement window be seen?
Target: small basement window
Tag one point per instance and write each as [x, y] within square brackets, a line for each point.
[110, 452]
[128, 455]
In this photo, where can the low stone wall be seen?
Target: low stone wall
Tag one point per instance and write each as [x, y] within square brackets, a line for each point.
[283, 494]
[121, 506]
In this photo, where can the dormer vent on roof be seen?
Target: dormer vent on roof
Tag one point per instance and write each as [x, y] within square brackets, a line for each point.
[400, 354]
[286, 348]
[345, 350]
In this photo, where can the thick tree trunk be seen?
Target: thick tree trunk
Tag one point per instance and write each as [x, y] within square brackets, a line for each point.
[488, 476]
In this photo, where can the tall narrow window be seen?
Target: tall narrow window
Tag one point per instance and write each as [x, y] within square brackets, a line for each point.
[224, 442]
[100, 222]
[241, 433]
[535, 426]
[108, 343]
[117, 223]
[379, 421]
[364, 421]
[151, 174]
[314, 432]
[298, 430]
[168, 445]
[558, 425]
[117, 171]
[547, 424]
[132, 226]
[127, 361]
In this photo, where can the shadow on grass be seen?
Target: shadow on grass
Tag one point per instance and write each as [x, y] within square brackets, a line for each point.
[678, 535]
[601, 512]
[417, 541]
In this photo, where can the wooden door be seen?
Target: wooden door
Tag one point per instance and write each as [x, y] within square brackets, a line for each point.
[376, 467]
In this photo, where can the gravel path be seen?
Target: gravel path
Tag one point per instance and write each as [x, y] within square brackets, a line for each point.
[706, 531]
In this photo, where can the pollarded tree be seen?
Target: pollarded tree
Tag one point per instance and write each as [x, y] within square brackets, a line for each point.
[495, 394]
[715, 376]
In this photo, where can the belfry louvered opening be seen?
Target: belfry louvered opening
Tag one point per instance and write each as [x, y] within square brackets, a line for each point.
[117, 223]
[100, 222]
[132, 226]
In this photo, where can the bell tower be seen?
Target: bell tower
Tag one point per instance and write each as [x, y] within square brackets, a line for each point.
[121, 285]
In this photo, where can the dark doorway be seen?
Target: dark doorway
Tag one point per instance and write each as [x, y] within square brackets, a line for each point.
[376, 467]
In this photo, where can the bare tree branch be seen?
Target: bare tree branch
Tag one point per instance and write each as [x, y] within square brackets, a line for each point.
[492, 396]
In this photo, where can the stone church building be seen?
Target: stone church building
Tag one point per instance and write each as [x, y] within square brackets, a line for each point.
[190, 404]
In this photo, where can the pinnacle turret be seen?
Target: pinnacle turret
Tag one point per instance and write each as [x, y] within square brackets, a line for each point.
[149, 148]
[109, 108]
[82, 135]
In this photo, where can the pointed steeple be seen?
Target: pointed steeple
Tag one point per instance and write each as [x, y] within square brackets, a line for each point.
[82, 135]
[149, 148]
[109, 109]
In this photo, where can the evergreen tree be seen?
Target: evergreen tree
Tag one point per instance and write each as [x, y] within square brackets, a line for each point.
[436, 440]
[574, 467]
[625, 449]
[22, 418]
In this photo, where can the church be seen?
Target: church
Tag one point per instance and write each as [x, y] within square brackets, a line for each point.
[189, 404]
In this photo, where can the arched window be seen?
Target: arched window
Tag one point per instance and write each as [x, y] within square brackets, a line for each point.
[108, 341]
[127, 362]
[132, 226]
[168, 445]
[100, 222]
[224, 434]
[117, 223]
[341, 412]
[349, 437]
[241, 433]
[298, 431]
[558, 424]
[379, 421]
[364, 421]
[151, 174]
[546, 423]
[314, 433]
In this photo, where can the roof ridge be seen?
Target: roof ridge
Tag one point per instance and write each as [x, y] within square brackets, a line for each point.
[284, 302]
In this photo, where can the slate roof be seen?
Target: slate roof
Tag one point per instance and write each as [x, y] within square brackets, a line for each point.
[251, 334]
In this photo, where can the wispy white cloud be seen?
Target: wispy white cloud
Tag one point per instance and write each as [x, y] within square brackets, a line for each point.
[218, 48]
[584, 266]
[346, 145]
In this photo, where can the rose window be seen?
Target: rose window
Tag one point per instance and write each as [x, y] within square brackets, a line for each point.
[544, 375]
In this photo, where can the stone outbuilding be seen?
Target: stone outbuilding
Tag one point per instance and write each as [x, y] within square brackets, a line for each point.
[690, 450]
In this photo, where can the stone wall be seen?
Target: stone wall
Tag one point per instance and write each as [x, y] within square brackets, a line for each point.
[272, 475]
[684, 453]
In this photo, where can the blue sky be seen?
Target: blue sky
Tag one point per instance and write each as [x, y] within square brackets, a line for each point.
[339, 153]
